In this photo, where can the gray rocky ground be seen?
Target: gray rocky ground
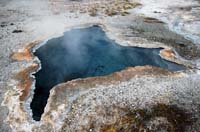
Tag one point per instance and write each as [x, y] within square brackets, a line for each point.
[136, 99]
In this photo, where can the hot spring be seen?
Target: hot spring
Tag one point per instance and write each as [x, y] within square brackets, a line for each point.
[82, 53]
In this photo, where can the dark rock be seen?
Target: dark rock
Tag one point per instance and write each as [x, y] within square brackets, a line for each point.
[156, 12]
[3, 25]
[17, 31]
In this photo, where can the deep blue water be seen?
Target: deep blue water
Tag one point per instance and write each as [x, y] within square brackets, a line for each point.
[82, 53]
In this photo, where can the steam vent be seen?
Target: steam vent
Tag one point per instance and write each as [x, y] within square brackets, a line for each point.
[100, 66]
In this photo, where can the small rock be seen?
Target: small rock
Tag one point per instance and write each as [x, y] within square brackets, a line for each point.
[156, 12]
[17, 31]
[3, 25]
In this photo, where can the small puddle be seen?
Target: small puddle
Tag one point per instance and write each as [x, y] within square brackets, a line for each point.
[83, 53]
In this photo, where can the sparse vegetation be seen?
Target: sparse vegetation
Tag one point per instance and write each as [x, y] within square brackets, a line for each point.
[103, 7]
